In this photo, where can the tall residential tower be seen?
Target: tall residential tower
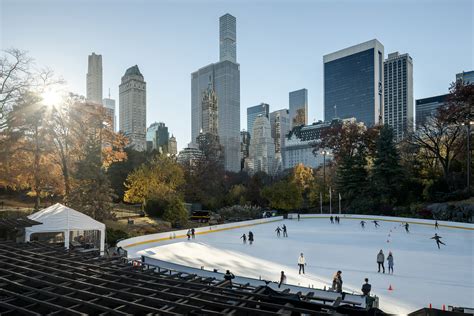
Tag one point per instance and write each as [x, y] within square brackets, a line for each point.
[224, 77]
[253, 112]
[132, 102]
[353, 83]
[94, 78]
[298, 101]
[398, 94]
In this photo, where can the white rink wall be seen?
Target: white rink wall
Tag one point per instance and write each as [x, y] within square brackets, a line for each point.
[360, 217]
[152, 238]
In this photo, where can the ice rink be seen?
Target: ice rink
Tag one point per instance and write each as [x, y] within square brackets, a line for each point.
[423, 274]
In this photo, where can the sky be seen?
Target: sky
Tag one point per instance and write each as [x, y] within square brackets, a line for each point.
[280, 44]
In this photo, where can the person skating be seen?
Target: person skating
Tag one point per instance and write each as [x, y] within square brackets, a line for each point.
[250, 237]
[298, 217]
[282, 279]
[285, 233]
[301, 263]
[278, 230]
[362, 224]
[436, 225]
[337, 282]
[332, 219]
[366, 287]
[188, 234]
[244, 238]
[406, 227]
[390, 262]
[193, 233]
[228, 277]
[376, 223]
[380, 260]
[438, 241]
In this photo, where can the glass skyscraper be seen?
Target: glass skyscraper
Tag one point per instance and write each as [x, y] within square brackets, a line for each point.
[353, 83]
[224, 77]
[298, 104]
[253, 112]
[427, 107]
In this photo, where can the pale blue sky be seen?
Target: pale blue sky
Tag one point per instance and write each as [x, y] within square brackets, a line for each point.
[280, 44]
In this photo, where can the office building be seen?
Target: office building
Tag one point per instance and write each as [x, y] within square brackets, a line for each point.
[353, 83]
[253, 112]
[132, 103]
[426, 107]
[298, 105]
[224, 76]
[94, 79]
[172, 146]
[109, 105]
[466, 76]
[280, 126]
[244, 147]
[398, 94]
[157, 137]
[209, 111]
[262, 148]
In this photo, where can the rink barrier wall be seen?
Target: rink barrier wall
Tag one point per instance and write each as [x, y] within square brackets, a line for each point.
[319, 294]
[141, 240]
[417, 221]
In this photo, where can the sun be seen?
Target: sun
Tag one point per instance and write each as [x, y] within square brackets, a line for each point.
[51, 97]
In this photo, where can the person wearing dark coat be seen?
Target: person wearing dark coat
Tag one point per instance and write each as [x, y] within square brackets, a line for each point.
[366, 287]
[406, 227]
[228, 277]
[244, 238]
[332, 219]
[337, 282]
[380, 260]
[278, 230]
[390, 262]
[282, 279]
[193, 233]
[362, 224]
[250, 237]
[438, 241]
[285, 233]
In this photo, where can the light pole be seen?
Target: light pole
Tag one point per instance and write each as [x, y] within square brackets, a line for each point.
[324, 152]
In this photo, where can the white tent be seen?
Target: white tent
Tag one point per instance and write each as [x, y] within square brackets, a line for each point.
[60, 218]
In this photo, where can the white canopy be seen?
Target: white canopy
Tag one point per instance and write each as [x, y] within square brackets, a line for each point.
[60, 218]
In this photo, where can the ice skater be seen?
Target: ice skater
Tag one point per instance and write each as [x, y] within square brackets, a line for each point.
[285, 233]
[406, 227]
[438, 241]
[376, 223]
[282, 279]
[278, 230]
[244, 238]
[331, 219]
[366, 287]
[301, 263]
[362, 224]
[436, 225]
[193, 233]
[189, 234]
[250, 237]
[380, 260]
[337, 282]
[390, 262]
[298, 217]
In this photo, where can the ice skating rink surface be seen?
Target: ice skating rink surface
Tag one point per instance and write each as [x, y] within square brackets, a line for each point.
[423, 274]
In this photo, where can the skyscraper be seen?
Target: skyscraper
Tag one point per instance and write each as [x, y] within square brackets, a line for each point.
[132, 102]
[253, 112]
[262, 147]
[209, 111]
[173, 146]
[244, 147]
[298, 102]
[466, 77]
[398, 94]
[224, 77]
[353, 83]
[227, 38]
[426, 107]
[109, 105]
[94, 78]
[280, 126]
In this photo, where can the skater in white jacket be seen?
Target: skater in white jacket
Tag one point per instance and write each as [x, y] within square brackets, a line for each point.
[301, 263]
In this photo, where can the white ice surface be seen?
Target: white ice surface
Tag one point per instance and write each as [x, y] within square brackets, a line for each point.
[423, 274]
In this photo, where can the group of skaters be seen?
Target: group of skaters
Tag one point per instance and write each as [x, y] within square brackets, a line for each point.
[376, 224]
[282, 229]
[191, 233]
[335, 219]
[250, 238]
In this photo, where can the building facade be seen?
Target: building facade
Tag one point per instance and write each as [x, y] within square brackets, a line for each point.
[189, 156]
[94, 78]
[426, 107]
[280, 126]
[244, 147]
[209, 111]
[398, 94]
[132, 103]
[224, 77]
[109, 105]
[228, 38]
[298, 105]
[262, 148]
[157, 137]
[353, 83]
[466, 77]
[253, 112]
[173, 146]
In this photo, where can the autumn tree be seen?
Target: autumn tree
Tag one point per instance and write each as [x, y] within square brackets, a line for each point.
[303, 178]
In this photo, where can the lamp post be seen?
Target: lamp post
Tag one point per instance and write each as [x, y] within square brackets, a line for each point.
[324, 152]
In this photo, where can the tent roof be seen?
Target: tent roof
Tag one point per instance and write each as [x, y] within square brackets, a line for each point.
[60, 218]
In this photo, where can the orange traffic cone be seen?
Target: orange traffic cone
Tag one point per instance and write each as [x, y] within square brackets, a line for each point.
[391, 289]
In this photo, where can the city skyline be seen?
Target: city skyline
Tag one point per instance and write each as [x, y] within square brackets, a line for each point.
[262, 54]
